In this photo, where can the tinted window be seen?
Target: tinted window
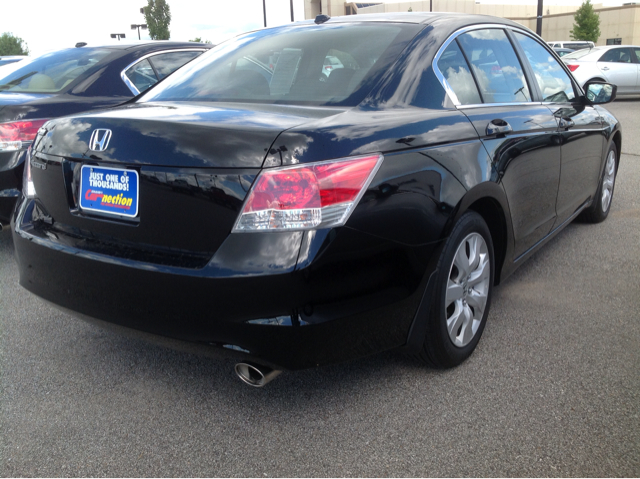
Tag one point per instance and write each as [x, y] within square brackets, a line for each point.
[616, 55]
[553, 81]
[295, 57]
[456, 71]
[637, 53]
[53, 71]
[142, 75]
[166, 63]
[495, 66]
[576, 46]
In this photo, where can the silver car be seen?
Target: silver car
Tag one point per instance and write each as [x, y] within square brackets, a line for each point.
[619, 64]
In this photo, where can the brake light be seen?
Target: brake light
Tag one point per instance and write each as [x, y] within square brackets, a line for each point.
[573, 67]
[316, 195]
[13, 134]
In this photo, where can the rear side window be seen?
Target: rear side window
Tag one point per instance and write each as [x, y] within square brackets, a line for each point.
[617, 55]
[495, 66]
[142, 75]
[456, 72]
[553, 81]
[637, 53]
[166, 63]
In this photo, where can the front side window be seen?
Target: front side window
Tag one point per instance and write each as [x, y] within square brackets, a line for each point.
[616, 55]
[495, 66]
[553, 81]
[289, 65]
[636, 51]
[455, 70]
[52, 72]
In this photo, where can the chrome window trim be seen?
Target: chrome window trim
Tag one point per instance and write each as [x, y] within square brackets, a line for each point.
[130, 84]
[480, 105]
[443, 81]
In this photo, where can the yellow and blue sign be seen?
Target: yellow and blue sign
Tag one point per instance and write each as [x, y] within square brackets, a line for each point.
[109, 190]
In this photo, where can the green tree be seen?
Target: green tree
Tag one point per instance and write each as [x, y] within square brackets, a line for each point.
[157, 15]
[587, 23]
[200, 40]
[12, 45]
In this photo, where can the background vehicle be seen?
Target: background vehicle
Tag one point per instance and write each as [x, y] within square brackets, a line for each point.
[573, 44]
[71, 81]
[563, 51]
[316, 221]
[619, 64]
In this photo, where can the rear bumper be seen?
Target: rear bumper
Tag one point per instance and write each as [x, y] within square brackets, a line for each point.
[288, 300]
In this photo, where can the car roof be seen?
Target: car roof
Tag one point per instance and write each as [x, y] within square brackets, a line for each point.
[455, 20]
[143, 44]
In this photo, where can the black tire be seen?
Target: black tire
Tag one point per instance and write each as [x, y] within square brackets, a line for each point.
[438, 349]
[598, 212]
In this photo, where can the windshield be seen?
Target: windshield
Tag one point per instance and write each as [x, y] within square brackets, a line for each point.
[330, 64]
[51, 72]
[580, 53]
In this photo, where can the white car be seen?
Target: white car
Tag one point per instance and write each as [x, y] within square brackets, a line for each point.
[573, 44]
[619, 64]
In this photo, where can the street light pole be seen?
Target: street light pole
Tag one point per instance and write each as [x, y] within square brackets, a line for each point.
[291, 3]
[138, 27]
[264, 11]
[118, 35]
[539, 19]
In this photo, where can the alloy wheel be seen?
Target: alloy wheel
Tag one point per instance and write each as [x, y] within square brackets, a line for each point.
[467, 289]
[608, 180]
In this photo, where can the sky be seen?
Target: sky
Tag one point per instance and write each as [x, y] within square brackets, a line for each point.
[47, 25]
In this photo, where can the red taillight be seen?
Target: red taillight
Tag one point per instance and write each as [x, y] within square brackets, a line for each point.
[307, 196]
[573, 67]
[14, 133]
[328, 67]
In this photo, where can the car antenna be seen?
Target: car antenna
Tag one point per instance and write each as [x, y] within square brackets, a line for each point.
[80, 44]
[321, 19]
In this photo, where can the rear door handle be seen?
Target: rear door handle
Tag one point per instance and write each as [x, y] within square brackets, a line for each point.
[498, 127]
[566, 123]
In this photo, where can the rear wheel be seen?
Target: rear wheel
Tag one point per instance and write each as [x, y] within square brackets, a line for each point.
[599, 209]
[462, 296]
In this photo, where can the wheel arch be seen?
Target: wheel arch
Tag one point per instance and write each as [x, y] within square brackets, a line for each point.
[489, 201]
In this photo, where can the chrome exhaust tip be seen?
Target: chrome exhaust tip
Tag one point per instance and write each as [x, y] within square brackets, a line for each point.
[255, 375]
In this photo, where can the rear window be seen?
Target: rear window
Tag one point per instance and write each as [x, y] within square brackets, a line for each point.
[52, 72]
[331, 64]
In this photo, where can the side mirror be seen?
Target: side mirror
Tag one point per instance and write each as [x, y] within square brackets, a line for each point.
[600, 92]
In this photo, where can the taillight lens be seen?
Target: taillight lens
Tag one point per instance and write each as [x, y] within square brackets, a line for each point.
[573, 67]
[315, 195]
[13, 134]
[28, 189]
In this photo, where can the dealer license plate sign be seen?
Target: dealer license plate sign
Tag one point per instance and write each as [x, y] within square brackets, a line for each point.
[113, 191]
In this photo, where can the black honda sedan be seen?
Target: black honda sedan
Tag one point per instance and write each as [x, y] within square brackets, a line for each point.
[295, 219]
[72, 81]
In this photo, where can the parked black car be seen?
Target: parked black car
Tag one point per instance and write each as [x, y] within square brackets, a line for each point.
[71, 81]
[305, 220]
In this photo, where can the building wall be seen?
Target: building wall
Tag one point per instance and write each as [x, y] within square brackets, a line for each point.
[615, 22]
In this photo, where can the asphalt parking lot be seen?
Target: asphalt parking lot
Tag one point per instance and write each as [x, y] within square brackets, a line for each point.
[552, 390]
